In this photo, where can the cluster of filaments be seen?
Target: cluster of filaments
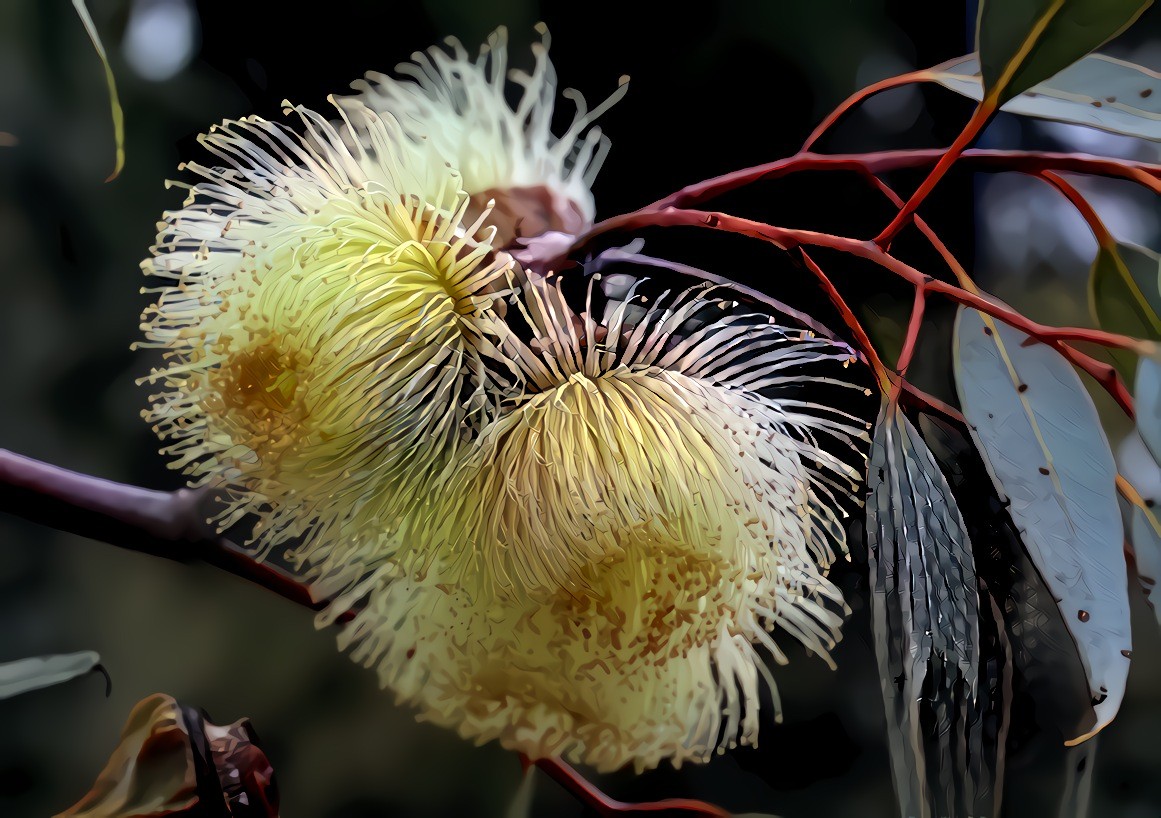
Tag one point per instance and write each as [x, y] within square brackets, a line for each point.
[561, 530]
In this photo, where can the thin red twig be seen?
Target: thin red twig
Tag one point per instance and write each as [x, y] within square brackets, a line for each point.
[953, 264]
[1099, 231]
[877, 162]
[788, 238]
[849, 104]
[848, 317]
[913, 326]
[914, 396]
[979, 119]
[1104, 374]
[603, 805]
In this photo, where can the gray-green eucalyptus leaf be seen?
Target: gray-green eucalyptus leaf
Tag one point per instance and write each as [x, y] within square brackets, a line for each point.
[1041, 439]
[1097, 91]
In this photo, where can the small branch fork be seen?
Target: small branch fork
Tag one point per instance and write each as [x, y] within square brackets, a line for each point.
[789, 238]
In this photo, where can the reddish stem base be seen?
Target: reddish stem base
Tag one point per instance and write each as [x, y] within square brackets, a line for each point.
[589, 795]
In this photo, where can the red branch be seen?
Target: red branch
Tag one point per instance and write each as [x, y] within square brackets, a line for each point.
[788, 238]
[1104, 374]
[957, 269]
[1143, 173]
[913, 326]
[1095, 223]
[848, 317]
[979, 119]
[851, 102]
[603, 805]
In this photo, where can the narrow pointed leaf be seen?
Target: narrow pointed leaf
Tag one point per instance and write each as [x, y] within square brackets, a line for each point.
[1097, 91]
[114, 101]
[25, 675]
[1125, 296]
[1047, 454]
[925, 619]
[1024, 42]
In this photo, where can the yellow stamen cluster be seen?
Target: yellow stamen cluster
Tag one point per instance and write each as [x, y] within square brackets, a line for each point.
[628, 526]
[565, 532]
[455, 108]
[318, 326]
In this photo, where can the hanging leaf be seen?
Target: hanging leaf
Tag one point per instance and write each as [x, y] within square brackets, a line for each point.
[1024, 42]
[110, 81]
[1125, 296]
[25, 675]
[1097, 91]
[925, 620]
[1039, 434]
[1147, 399]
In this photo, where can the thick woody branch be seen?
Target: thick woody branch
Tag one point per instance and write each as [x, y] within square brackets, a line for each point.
[158, 523]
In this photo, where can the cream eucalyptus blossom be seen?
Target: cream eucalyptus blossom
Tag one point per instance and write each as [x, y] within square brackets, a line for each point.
[317, 315]
[455, 107]
[570, 532]
[629, 529]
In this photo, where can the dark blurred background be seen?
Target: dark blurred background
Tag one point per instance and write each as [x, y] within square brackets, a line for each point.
[715, 87]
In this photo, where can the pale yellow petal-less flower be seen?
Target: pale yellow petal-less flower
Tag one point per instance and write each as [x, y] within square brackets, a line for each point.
[317, 316]
[456, 108]
[629, 528]
[566, 533]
